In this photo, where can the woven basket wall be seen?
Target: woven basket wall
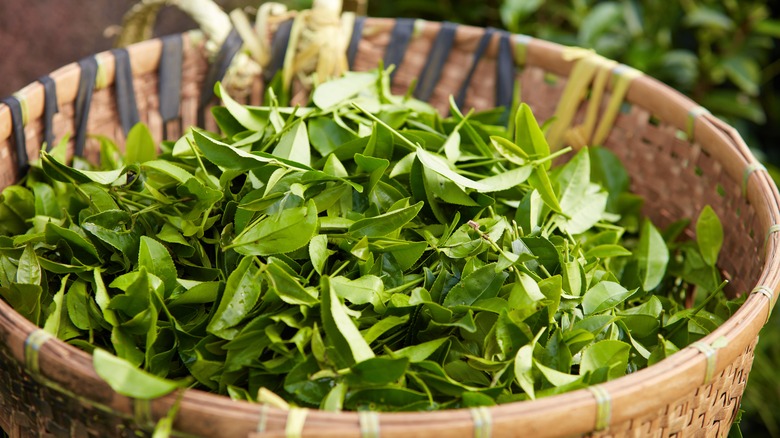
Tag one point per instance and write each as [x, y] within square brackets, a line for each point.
[680, 159]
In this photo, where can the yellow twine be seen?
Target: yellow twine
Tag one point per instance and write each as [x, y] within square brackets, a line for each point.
[624, 76]
[591, 70]
[296, 419]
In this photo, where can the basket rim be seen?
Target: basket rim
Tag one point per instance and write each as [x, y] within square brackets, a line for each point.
[635, 393]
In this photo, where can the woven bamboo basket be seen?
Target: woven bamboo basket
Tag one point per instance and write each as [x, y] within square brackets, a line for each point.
[680, 159]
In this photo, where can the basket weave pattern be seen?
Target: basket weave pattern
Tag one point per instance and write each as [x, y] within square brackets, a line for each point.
[676, 176]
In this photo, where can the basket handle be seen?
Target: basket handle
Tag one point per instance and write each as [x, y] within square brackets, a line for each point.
[318, 41]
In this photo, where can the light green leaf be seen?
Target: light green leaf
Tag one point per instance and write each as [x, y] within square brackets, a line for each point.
[607, 251]
[349, 346]
[286, 231]
[652, 255]
[338, 91]
[126, 379]
[709, 235]
[529, 136]
[610, 354]
[241, 113]
[604, 295]
[555, 377]
[55, 319]
[29, 270]
[319, 252]
[294, 145]
[139, 147]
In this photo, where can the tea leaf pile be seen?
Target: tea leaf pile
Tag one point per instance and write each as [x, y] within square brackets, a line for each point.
[359, 253]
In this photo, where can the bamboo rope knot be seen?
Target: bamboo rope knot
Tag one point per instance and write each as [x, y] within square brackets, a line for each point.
[521, 48]
[603, 406]
[23, 107]
[317, 49]
[710, 353]
[369, 424]
[769, 294]
[142, 411]
[483, 422]
[32, 347]
[774, 228]
[752, 167]
[694, 114]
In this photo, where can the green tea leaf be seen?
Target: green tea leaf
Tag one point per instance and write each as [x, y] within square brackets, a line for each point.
[604, 295]
[377, 371]
[126, 379]
[386, 223]
[140, 145]
[709, 235]
[609, 354]
[56, 318]
[652, 256]
[286, 231]
[153, 256]
[339, 91]
[294, 145]
[288, 288]
[480, 284]
[349, 347]
[529, 136]
[29, 270]
[240, 296]
[241, 113]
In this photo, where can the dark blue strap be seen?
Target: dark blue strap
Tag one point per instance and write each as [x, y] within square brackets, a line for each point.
[505, 72]
[357, 33]
[17, 125]
[278, 49]
[478, 53]
[399, 41]
[169, 86]
[125, 90]
[89, 68]
[217, 70]
[437, 57]
[50, 107]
